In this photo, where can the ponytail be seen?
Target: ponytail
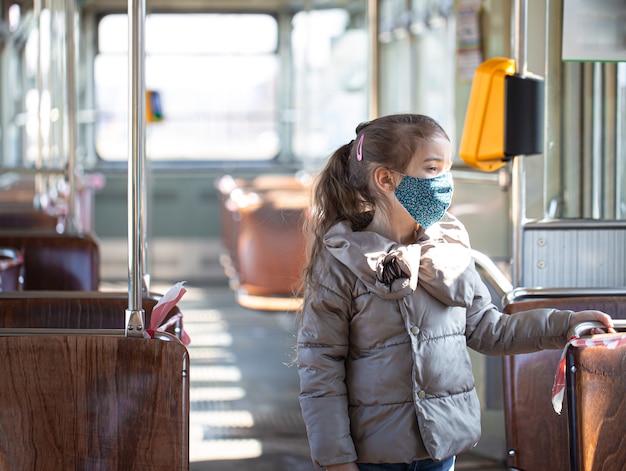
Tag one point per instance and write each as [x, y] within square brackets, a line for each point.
[337, 196]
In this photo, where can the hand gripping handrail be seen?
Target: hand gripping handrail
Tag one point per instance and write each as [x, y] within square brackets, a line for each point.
[585, 328]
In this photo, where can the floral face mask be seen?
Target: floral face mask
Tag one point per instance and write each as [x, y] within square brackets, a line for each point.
[426, 199]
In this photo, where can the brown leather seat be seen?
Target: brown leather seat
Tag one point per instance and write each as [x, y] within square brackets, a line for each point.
[271, 245]
[536, 436]
[56, 261]
[75, 310]
[21, 218]
[262, 235]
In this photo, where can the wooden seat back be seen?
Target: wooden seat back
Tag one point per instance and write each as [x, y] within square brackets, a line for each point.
[597, 407]
[75, 310]
[56, 261]
[93, 402]
[536, 436]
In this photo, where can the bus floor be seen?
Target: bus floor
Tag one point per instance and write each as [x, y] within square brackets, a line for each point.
[244, 410]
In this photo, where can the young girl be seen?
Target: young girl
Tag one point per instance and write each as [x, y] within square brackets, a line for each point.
[392, 301]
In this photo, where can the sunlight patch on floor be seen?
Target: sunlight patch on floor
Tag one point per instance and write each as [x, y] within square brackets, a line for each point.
[229, 418]
[211, 450]
[217, 373]
[216, 394]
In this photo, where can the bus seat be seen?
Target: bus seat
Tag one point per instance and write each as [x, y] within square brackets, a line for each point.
[596, 401]
[228, 221]
[271, 245]
[237, 193]
[16, 217]
[11, 267]
[77, 310]
[56, 261]
[536, 436]
[262, 221]
[93, 402]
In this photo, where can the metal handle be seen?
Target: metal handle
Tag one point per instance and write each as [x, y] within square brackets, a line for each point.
[585, 328]
[21, 331]
[519, 294]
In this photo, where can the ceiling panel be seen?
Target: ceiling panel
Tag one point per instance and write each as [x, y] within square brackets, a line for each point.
[221, 5]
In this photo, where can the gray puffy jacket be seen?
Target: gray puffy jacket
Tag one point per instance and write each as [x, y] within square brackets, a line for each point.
[385, 375]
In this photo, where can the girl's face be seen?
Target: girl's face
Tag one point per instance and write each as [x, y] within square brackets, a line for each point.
[433, 158]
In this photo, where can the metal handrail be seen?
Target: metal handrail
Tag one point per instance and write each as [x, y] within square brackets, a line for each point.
[495, 276]
[518, 294]
[22, 331]
[13, 331]
[34, 171]
[584, 328]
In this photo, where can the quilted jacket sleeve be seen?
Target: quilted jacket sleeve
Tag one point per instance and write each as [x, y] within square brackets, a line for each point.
[322, 349]
[493, 332]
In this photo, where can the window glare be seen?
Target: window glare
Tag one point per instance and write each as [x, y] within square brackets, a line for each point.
[330, 58]
[216, 76]
[194, 34]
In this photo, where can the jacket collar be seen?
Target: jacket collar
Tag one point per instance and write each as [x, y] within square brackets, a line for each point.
[392, 270]
[387, 268]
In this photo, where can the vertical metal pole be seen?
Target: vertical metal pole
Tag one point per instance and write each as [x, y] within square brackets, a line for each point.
[372, 15]
[521, 27]
[554, 144]
[6, 99]
[287, 86]
[136, 151]
[517, 215]
[70, 51]
[39, 179]
[620, 148]
[608, 155]
[518, 193]
[597, 151]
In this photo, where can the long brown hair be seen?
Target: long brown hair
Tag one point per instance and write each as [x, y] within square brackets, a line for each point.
[343, 189]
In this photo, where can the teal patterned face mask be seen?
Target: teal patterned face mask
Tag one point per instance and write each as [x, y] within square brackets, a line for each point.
[426, 199]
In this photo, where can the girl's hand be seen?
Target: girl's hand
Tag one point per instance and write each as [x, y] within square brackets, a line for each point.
[343, 467]
[593, 316]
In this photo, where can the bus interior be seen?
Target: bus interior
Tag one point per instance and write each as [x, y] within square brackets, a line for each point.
[224, 117]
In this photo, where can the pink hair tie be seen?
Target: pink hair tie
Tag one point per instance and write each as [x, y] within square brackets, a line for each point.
[359, 148]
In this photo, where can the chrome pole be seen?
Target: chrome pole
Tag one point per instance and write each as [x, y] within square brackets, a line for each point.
[70, 51]
[136, 152]
[620, 147]
[39, 179]
[518, 196]
[553, 143]
[598, 131]
[372, 15]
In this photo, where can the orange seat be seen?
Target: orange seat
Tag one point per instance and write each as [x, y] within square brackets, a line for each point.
[263, 237]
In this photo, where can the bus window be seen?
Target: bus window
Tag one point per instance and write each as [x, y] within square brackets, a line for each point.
[216, 76]
[330, 71]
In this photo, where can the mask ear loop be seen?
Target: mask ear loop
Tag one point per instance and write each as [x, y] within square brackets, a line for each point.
[359, 148]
